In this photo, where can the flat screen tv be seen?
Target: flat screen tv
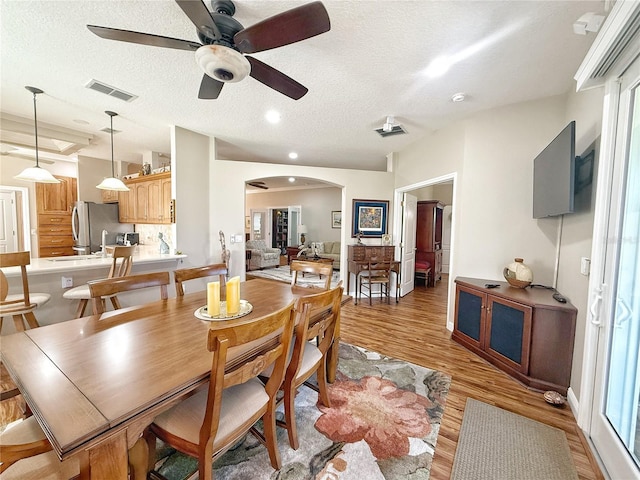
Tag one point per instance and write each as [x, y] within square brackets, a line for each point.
[553, 175]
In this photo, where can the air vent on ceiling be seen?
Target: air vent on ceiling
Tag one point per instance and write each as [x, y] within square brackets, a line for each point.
[395, 130]
[111, 91]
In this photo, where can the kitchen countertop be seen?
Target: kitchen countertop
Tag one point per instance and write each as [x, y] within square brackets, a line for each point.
[40, 266]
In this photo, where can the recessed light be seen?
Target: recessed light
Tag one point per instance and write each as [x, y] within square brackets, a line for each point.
[293, 155]
[458, 97]
[272, 116]
[291, 179]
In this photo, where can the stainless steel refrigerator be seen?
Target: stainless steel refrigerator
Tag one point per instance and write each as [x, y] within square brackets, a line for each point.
[88, 220]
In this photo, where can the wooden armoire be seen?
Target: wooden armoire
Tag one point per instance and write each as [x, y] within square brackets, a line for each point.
[429, 237]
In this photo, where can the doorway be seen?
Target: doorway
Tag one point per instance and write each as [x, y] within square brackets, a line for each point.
[14, 224]
[421, 190]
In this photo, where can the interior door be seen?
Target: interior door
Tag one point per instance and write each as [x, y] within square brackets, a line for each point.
[8, 222]
[295, 219]
[408, 243]
[616, 405]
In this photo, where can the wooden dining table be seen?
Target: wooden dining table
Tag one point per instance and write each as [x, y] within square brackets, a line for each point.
[95, 383]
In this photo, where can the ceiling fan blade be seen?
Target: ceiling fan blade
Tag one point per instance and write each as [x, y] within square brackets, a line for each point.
[143, 38]
[276, 79]
[258, 185]
[287, 27]
[209, 88]
[199, 14]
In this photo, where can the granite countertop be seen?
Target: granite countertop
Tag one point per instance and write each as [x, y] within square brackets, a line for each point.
[85, 262]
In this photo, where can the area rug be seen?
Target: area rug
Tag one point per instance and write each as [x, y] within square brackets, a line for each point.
[495, 444]
[383, 424]
[283, 274]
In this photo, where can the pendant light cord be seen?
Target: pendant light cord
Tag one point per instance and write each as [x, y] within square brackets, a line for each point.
[35, 121]
[113, 173]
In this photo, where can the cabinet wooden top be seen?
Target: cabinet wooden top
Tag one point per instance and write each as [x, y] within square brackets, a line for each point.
[145, 178]
[534, 296]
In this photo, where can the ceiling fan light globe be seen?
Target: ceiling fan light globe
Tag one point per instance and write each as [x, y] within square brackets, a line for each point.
[36, 174]
[223, 63]
[112, 183]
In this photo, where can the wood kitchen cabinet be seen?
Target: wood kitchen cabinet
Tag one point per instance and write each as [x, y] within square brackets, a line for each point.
[148, 200]
[54, 203]
[524, 332]
[429, 237]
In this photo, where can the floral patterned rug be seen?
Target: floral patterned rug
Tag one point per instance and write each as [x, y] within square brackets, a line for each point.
[383, 424]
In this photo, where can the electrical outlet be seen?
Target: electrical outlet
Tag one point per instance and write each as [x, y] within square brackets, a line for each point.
[67, 282]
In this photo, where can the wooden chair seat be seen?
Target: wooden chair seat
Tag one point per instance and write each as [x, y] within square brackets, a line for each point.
[377, 273]
[120, 267]
[19, 306]
[208, 423]
[309, 352]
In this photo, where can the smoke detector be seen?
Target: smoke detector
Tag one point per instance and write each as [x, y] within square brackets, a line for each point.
[390, 128]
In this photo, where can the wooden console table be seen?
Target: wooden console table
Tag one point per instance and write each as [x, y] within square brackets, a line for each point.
[358, 260]
[522, 331]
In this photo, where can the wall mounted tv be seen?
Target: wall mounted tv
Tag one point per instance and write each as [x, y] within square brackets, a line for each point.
[553, 175]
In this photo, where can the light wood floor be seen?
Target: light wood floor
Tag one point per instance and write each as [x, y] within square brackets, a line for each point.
[415, 330]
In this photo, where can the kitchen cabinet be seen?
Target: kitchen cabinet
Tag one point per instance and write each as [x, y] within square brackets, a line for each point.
[110, 196]
[524, 332]
[148, 200]
[429, 237]
[54, 203]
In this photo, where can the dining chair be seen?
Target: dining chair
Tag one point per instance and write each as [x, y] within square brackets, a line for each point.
[26, 454]
[314, 334]
[378, 272]
[20, 306]
[108, 287]
[211, 421]
[184, 274]
[120, 267]
[301, 267]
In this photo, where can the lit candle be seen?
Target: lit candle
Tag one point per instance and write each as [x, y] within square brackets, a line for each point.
[213, 298]
[233, 295]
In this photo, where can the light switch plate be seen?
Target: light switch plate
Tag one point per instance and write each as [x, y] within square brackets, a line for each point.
[585, 266]
[67, 282]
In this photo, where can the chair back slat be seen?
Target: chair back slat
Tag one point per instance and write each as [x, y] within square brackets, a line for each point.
[301, 266]
[123, 267]
[185, 274]
[112, 286]
[276, 329]
[324, 309]
[17, 259]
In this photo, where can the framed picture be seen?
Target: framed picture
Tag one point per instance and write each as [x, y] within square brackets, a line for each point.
[370, 218]
[336, 219]
[247, 223]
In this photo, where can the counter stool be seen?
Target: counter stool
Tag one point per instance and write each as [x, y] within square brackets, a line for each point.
[120, 268]
[19, 306]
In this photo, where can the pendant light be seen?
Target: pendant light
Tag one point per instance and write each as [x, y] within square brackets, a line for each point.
[112, 183]
[37, 173]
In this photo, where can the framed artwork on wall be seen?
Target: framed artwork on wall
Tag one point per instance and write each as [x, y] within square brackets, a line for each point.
[336, 219]
[370, 218]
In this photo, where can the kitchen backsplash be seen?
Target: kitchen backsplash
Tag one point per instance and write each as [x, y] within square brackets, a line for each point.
[149, 236]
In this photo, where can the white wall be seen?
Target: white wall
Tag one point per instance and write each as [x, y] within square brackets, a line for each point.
[317, 205]
[228, 198]
[91, 171]
[493, 154]
[11, 166]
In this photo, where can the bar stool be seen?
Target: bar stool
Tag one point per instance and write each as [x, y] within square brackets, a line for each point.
[19, 306]
[120, 268]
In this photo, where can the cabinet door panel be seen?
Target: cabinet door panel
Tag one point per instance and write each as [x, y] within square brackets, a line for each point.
[469, 314]
[508, 332]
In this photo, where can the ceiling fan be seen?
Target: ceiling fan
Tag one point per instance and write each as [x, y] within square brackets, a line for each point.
[225, 41]
[261, 185]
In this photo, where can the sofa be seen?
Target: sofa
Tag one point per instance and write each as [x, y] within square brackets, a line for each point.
[262, 256]
[327, 250]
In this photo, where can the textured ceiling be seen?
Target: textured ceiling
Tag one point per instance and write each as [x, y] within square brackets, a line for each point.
[368, 66]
